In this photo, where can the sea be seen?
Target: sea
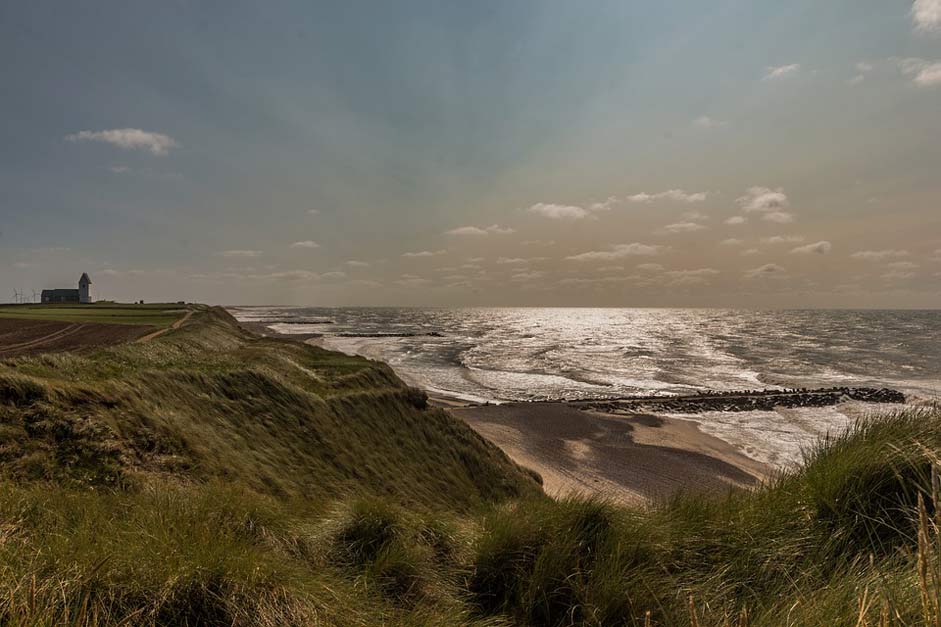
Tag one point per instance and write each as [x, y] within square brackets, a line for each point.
[532, 354]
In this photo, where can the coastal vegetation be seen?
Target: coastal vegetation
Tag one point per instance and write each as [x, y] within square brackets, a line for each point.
[215, 477]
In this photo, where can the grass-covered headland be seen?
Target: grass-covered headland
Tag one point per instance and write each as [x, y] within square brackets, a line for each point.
[212, 477]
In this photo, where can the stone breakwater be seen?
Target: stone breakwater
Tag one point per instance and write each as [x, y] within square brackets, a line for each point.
[766, 400]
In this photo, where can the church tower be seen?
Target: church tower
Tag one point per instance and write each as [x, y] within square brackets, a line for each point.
[84, 289]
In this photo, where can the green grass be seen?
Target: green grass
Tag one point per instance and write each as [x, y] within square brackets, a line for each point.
[212, 477]
[158, 315]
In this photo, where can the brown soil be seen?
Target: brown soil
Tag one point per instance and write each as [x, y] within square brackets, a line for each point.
[625, 458]
[28, 337]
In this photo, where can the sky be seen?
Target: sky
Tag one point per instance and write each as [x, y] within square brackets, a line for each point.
[737, 153]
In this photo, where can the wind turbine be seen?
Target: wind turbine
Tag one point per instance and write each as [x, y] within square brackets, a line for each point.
[35, 296]
[16, 296]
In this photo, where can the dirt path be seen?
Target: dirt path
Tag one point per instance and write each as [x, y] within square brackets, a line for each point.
[176, 325]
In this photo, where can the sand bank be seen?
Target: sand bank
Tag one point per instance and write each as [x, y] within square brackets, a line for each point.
[625, 458]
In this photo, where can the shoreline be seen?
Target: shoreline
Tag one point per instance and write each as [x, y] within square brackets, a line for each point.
[620, 448]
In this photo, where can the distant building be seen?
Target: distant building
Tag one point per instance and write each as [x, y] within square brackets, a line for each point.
[81, 295]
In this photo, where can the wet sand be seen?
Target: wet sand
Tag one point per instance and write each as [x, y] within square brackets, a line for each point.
[633, 459]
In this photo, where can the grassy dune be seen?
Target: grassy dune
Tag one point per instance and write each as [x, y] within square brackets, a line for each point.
[214, 478]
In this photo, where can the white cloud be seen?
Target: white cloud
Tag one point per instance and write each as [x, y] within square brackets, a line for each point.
[603, 206]
[511, 261]
[353, 263]
[333, 275]
[879, 255]
[695, 216]
[305, 244]
[424, 253]
[240, 253]
[736, 220]
[691, 277]
[862, 68]
[684, 227]
[128, 139]
[559, 212]
[902, 265]
[538, 242]
[677, 195]
[896, 275]
[749, 252]
[494, 229]
[767, 270]
[923, 73]
[313, 212]
[650, 267]
[763, 199]
[820, 248]
[779, 217]
[619, 251]
[781, 71]
[782, 239]
[732, 241]
[527, 276]
[926, 14]
[119, 169]
[707, 123]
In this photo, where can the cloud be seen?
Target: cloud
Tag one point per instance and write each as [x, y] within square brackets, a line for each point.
[736, 220]
[129, 139]
[425, 253]
[706, 123]
[691, 277]
[763, 199]
[879, 255]
[559, 212]
[411, 280]
[749, 252]
[684, 227]
[313, 212]
[353, 263]
[781, 71]
[862, 68]
[240, 253]
[732, 241]
[820, 248]
[538, 242]
[527, 276]
[782, 239]
[923, 73]
[603, 206]
[619, 251]
[650, 267]
[902, 265]
[677, 195]
[926, 14]
[779, 217]
[119, 169]
[494, 229]
[767, 270]
[305, 244]
[896, 275]
[510, 261]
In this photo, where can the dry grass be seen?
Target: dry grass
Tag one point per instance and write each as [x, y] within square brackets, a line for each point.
[215, 478]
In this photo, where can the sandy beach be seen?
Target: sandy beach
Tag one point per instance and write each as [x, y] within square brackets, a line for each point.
[624, 458]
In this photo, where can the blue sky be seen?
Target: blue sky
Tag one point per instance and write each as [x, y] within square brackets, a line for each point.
[475, 153]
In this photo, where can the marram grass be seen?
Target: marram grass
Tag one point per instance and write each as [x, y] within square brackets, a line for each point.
[213, 478]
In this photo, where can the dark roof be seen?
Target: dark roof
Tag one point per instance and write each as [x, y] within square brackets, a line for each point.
[84, 279]
[62, 292]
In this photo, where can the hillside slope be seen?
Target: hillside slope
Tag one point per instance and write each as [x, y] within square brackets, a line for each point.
[212, 401]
